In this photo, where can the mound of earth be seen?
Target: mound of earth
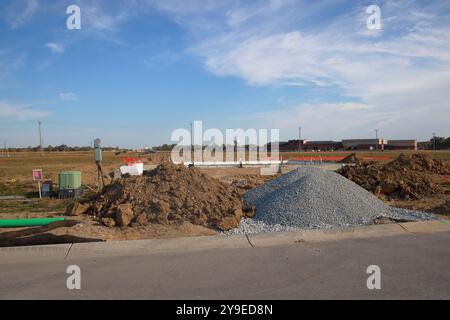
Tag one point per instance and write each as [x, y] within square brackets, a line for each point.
[352, 158]
[407, 177]
[169, 194]
[418, 162]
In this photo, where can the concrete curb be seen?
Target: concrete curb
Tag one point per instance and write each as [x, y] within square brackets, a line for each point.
[151, 246]
[324, 235]
[139, 247]
[34, 253]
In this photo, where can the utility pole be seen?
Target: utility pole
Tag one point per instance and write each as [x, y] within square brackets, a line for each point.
[98, 157]
[376, 137]
[191, 150]
[40, 138]
[299, 139]
[434, 141]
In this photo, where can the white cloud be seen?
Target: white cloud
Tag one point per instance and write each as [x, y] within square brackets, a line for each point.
[397, 73]
[55, 47]
[20, 12]
[19, 111]
[68, 96]
[401, 76]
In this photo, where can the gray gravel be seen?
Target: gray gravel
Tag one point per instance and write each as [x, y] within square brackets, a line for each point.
[310, 198]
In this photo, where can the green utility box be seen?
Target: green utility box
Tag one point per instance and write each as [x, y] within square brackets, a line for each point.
[69, 184]
[69, 180]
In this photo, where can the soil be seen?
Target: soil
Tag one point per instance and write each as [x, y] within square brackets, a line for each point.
[89, 230]
[169, 194]
[409, 177]
[352, 158]
[92, 229]
[415, 182]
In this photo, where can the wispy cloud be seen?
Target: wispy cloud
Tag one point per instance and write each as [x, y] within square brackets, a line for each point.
[401, 73]
[19, 111]
[55, 47]
[68, 96]
[20, 12]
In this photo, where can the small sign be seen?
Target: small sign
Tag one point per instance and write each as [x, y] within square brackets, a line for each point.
[37, 174]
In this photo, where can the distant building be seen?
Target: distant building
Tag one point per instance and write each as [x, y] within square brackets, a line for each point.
[291, 145]
[401, 145]
[347, 144]
[322, 145]
[364, 144]
[294, 145]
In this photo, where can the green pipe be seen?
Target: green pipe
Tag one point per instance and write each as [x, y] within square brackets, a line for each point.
[17, 223]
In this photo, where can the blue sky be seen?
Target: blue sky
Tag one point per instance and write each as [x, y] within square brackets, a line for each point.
[139, 69]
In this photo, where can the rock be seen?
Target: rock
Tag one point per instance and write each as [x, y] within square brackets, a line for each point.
[228, 223]
[162, 207]
[388, 187]
[124, 214]
[142, 219]
[76, 209]
[109, 222]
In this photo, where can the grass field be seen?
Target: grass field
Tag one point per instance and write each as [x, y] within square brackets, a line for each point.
[20, 165]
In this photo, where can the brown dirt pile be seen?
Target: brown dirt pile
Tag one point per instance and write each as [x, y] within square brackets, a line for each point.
[407, 177]
[352, 158]
[169, 194]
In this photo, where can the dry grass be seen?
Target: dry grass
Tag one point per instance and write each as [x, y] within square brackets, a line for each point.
[20, 165]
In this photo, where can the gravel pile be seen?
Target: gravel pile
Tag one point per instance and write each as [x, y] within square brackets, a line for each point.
[309, 198]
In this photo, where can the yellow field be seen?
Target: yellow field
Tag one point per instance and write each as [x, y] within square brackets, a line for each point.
[20, 164]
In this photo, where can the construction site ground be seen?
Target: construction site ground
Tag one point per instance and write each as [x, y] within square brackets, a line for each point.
[16, 181]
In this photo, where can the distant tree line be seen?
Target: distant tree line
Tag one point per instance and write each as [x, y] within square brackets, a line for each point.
[61, 147]
[441, 143]
[164, 147]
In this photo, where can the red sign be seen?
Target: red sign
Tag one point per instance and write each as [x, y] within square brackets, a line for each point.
[130, 161]
[37, 174]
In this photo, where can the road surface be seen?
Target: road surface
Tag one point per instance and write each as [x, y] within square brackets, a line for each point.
[413, 266]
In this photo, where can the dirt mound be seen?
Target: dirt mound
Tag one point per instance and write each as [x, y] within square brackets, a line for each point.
[418, 162]
[169, 194]
[352, 158]
[407, 177]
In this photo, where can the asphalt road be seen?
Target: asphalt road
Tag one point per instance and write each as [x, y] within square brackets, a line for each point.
[412, 266]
